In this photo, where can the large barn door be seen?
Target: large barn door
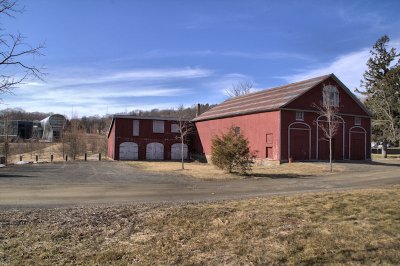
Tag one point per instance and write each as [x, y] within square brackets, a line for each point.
[299, 141]
[322, 144]
[357, 140]
[176, 151]
[323, 149]
[155, 151]
[128, 151]
[299, 150]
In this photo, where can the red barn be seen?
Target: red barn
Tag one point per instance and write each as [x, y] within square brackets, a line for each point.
[146, 138]
[282, 122]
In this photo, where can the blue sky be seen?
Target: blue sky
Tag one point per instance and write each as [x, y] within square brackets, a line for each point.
[114, 56]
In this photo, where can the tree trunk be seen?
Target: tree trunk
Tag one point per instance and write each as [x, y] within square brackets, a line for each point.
[6, 144]
[330, 153]
[384, 149]
[183, 163]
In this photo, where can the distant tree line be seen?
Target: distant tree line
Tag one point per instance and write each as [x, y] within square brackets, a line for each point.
[189, 112]
[21, 114]
[100, 124]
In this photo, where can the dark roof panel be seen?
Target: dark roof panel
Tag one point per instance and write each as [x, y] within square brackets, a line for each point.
[265, 100]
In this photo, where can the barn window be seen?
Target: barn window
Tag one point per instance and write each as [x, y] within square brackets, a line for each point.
[174, 128]
[237, 130]
[158, 126]
[300, 116]
[135, 128]
[330, 96]
[357, 121]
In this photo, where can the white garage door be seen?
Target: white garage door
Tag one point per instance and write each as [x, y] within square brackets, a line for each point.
[176, 152]
[128, 151]
[155, 151]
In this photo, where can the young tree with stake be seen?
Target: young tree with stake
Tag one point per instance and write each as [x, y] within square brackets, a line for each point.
[185, 128]
[328, 109]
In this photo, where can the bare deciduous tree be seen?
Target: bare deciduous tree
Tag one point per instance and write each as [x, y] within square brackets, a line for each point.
[13, 52]
[75, 139]
[239, 88]
[6, 140]
[330, 125]
[185, 128]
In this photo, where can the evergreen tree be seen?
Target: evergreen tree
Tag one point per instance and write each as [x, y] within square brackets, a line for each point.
[381, 83]
[231, 152]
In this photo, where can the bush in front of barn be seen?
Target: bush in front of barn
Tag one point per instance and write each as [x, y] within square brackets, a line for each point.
[231, 152]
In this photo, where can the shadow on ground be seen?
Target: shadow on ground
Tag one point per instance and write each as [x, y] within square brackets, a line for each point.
[382, 163]
[276, 176]
[13, 176]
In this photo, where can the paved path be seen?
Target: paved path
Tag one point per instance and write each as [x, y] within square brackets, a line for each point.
[86, 183]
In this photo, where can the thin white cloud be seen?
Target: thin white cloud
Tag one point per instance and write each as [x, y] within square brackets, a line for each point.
[159, 74]
[91, 90]
[238, 54]
[87, 108]
[76, 77]
[372, 19]
[349, 68]
[98, 95]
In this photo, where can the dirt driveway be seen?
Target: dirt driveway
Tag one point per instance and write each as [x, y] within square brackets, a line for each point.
[86, 183]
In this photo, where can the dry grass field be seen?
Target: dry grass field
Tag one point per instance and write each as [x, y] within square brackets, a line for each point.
[389, 156]
[44, 150]
[209, 171]
[353, 227]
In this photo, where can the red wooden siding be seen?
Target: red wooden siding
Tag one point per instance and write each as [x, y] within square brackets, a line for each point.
[347, 104]
[254, 127]
[268, 120]
[341, 146]
[301, 140]
[122, 131]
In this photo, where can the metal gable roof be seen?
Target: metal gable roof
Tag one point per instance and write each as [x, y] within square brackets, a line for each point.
[265, 100]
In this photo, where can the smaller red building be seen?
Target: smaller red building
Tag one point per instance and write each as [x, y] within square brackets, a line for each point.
[145, 138]
[283, 123]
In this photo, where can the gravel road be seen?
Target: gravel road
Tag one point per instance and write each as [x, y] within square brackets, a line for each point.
[109, 182]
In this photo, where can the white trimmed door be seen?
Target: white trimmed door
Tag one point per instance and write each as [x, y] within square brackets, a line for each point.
[128, 151]
[176, 151]
[155, 151]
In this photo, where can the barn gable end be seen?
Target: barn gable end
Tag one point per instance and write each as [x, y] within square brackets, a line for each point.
[348, 102]
[283, 123]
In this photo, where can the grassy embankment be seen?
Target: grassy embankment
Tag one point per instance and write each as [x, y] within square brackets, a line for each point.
[353, 227]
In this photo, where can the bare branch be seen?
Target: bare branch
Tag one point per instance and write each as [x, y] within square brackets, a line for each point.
[185, 127]
[14, 51]
[240, 88]
[8, 7]
[331, 120]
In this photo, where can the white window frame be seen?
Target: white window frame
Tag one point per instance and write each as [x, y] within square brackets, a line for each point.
[158, 126]
[332, 93]
[299, 116]
[174, 128]
[135, 128]
[357, 121]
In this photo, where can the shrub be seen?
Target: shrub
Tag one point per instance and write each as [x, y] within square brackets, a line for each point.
[231, 152]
